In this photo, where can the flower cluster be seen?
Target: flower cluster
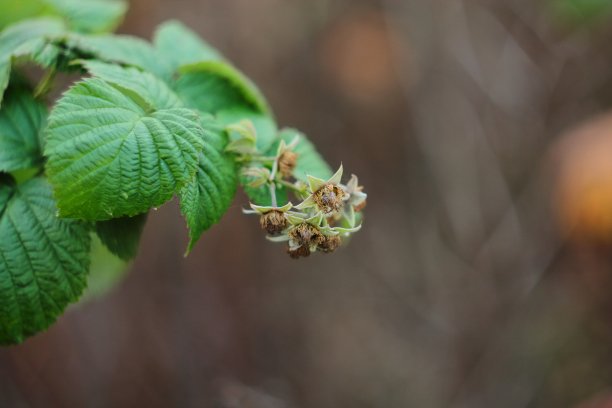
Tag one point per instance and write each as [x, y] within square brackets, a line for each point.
[328, 210]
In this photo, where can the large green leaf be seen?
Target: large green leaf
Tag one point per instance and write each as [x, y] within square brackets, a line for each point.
[206, 199]
[90, 16]
[122, 235]
[213, 86]
[124, 49]
[43, 260]
[309, 161]
[178, 45]
[22, 120]
[110, 155]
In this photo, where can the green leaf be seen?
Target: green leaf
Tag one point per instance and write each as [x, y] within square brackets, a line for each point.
[43, 260]
[207, 198]
[309, 160]
[150, 92]
[122, 235]
[110, 156]
[13, 11]
[43, 51]
[178, 45]
[213, 86]
[124, 49]
[90, 16]
[22, 119]
[16, 35]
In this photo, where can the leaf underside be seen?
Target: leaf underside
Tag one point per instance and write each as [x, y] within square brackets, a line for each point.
[122, 235]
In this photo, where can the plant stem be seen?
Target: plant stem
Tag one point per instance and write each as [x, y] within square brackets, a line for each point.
[45, 84]
[272, 187]
[290, 186]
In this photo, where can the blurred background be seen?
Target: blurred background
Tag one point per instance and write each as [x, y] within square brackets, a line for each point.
[482, 131]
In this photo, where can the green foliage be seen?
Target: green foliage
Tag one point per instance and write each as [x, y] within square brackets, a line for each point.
[122, 235]
[213, 86]
[148, 122]
[210, 193]
[111, 154]
[179, 46]
[89, 16]
[581, 12]
[123, 49]
[43, 260]
[22, 35]
[22, 120]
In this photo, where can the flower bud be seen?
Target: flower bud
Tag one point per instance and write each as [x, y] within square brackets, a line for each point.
[360, 206]
[273, 222]
[286, 163]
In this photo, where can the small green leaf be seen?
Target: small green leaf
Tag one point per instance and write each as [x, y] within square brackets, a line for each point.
[22, 119]
[206, 199]
[264, 125]
[43, 260]
[16, 35]
[43, 51]
[309, 161]
[213, 86]
[122, 235]
[90, 16]
[124, 49]
[178, 45]
[110, 156]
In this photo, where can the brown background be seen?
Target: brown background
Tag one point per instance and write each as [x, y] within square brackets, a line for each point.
[482, 276]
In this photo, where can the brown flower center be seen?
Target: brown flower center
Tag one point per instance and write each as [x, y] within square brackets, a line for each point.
[306, 235]
[329, 198]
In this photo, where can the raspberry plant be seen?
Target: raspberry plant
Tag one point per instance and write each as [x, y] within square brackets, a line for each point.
[145, 122]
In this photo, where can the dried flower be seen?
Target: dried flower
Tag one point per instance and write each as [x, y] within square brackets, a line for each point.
[272, 219]
[286, 163]
[286, 158]
[327, 196]
[330, 244]
[273, 222]
[299, 252]
[305, 234]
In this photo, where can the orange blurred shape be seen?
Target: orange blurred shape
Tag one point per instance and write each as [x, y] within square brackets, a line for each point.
[599, 401]
[584, 189]
[357, 54]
